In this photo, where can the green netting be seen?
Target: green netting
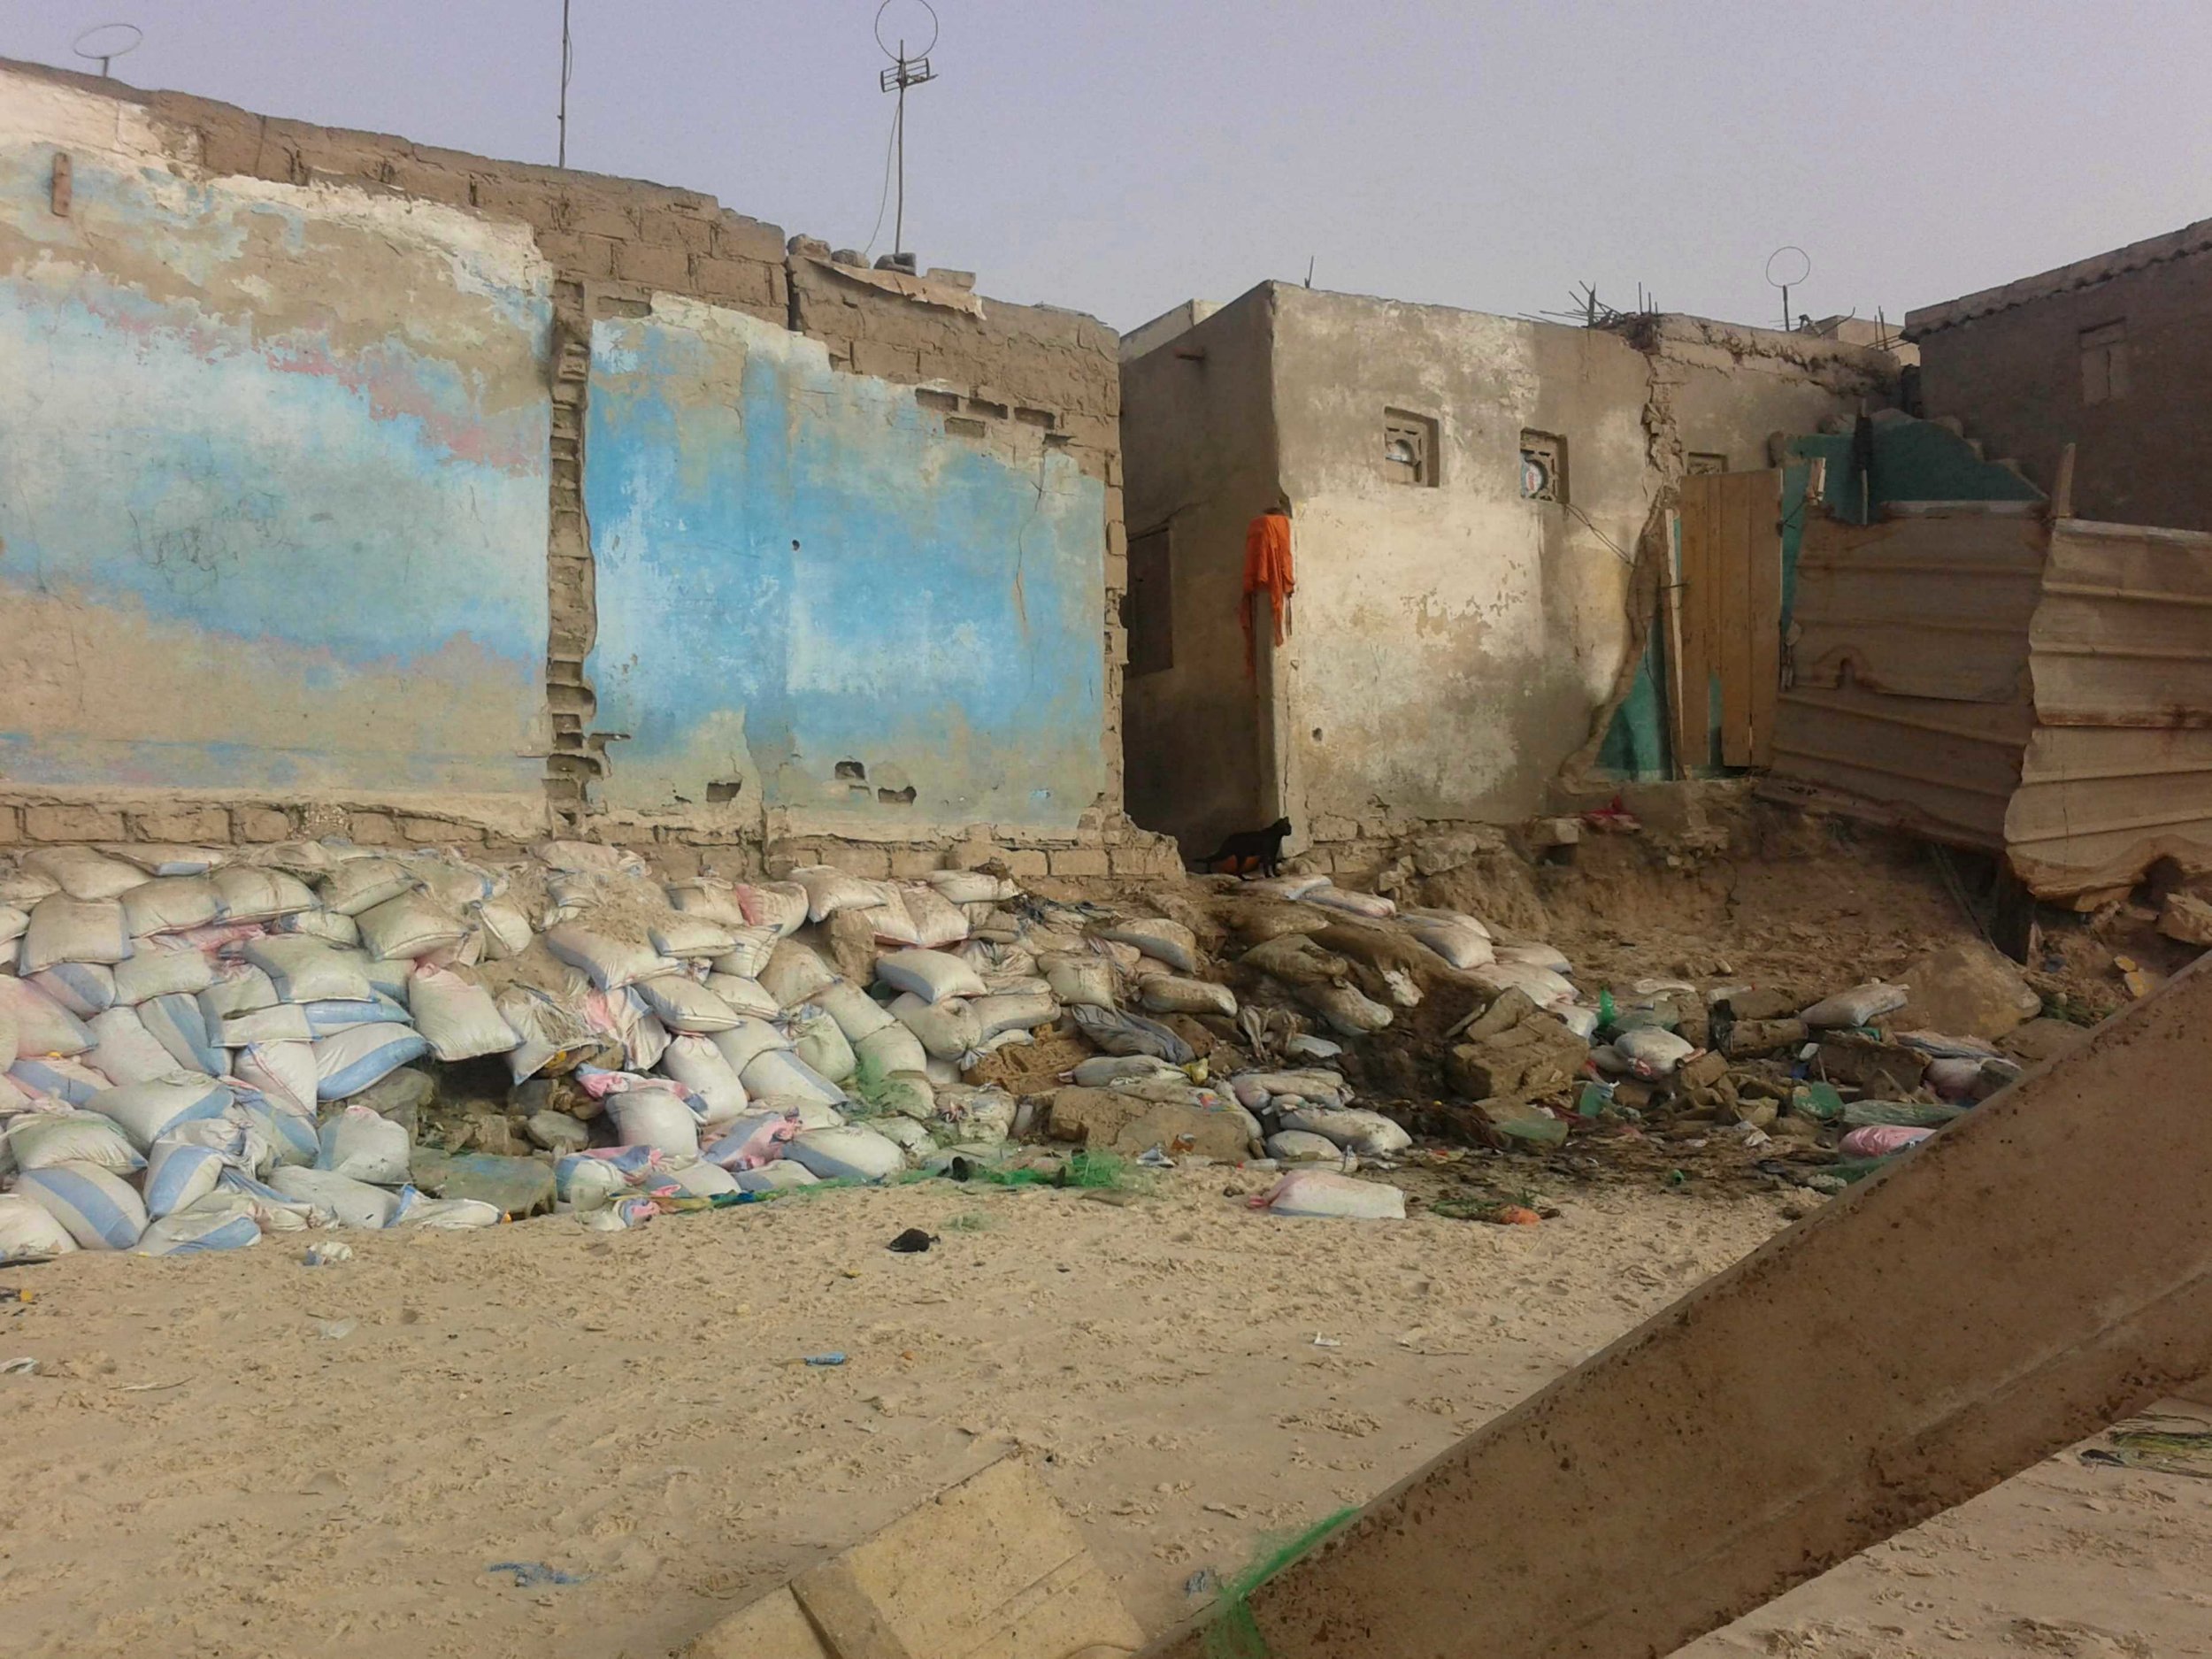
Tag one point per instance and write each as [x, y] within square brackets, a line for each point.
[1082, 1169]
[1234, 1633]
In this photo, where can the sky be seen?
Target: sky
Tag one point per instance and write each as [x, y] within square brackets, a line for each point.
[1118, 157]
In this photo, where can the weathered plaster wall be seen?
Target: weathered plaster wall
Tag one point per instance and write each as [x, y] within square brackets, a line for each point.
[2008, 365]
[1453, 643]
[273, 476]
[1200, 447]
[816, 602]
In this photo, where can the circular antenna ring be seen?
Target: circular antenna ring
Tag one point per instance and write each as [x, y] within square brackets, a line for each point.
[892, 52]
[1796, 267]
[105, 42]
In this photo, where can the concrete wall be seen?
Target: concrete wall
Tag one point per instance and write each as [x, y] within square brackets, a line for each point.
[1199, 446]
[275, 464]
[814, 600]
[2007, 363]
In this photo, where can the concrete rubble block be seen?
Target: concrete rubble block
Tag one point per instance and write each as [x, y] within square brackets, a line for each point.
[1533, 1054]
[558, 1133]
[1545, 833]
[260, 823]
[1103, 1120]
[1435, 855]
[1749, 1039]
[1887, 1070]
[1762, 1002]
[373, 829]
[1965, 990]
[1703, 1072]
[516, 1186]
[2186, 919]
[73, 824]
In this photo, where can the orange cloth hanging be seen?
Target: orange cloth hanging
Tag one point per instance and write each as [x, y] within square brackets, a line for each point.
[1267, 570]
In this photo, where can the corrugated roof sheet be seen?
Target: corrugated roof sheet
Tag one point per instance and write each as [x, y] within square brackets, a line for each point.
[2180, 244]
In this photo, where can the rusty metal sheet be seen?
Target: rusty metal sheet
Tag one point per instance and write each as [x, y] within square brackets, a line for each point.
[1941, 768]
[2123, 636]
[1933, 605]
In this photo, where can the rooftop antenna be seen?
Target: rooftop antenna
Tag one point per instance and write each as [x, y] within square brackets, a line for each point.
[1796, 265]
[568, 68]
[104, 43]
[905, 71]
[1310, 259]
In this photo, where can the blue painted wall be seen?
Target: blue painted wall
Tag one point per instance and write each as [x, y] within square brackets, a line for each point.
[798, 567]
[272, 487]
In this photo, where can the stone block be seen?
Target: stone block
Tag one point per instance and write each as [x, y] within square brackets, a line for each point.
[658, 266]
[1750, 1038]
[886, 361]
[2186, 919]
[1027, 860]
[10, 825]
[1080, 861]
[1703, 1072]
[739, 281]
[373, 829]
[1763, 1003]
[1105, 1120]
[183, 824]
[910, 863]
[1887, 1070]
[857, 858]
[73, 824]
[1965, 990]
[260, 823]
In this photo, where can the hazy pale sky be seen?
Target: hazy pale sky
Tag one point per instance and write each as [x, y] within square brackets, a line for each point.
[1118, 156]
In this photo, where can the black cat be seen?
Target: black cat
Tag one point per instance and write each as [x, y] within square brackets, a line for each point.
[1250, 851]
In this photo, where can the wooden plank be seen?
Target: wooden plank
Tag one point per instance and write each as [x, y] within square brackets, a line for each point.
[1732, 546]
[1766, 493]
[1692, 750]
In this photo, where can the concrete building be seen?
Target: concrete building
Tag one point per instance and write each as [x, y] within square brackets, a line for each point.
[1472, 498]
[353, 484]
[2111, 355]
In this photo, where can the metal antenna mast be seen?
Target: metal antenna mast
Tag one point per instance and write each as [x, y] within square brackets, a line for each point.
[106, 42]
[568, 66]
[905, 71]
[1796, 270]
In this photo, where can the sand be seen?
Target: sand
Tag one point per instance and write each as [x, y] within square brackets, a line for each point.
[240, 1454]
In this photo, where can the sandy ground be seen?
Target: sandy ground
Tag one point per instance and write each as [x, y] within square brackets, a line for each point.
[244, 1456]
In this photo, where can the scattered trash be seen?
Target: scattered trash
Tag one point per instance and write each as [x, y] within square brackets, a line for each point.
[326, 1254]
[24, 1367]
[825, 1359]
[2142, 1445]
[1325, 1341]
[533, 1575]
[913, 1241]
[336, 1330]
[1201, 1583]
[16, 1292]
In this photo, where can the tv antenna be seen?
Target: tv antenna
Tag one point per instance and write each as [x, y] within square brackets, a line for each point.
[104, 43]
[905, 71]
[568, 68]
[1796, 267]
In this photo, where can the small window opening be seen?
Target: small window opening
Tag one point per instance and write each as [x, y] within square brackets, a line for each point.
[2104, 363]
[1408, 450]
[1704, 461]
[1543, 465]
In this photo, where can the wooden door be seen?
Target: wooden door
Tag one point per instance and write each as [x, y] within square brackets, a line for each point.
[1726, 620]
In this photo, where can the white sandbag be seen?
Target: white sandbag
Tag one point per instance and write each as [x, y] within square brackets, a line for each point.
[612, 963]
[63, 929]
[14, 923]
[1858, 1006]
[780, 905]
[28, 1233]
[743, 995]
[891, 925]
[176, 1022]
[1164, 995]
[747, 1039]
[1349, 1013]
[193, 1231]
[682, 1004]
[85, 988]
[697, 1064]
[1371, 905]
[1001, 1012]
[38, 1139]
[507, 931]
[147, 1112]
[452, 881]
[43, 1026]
[271, 1210]
[1653, 1052]
[548, 1032]
[288, 1022]
[778, 1074]
[180, 1172]
[683, 936]
[1104, 1071]
[9, 1036]
[410, 925]
[937, 921]
[457, 1017]
[284, 1071]
[858, 1015]
[1369, 1133]
[656, 1117]
[708, 900]
[892, 1048]
[348, 1062]
[1292, 888]
[168, 858]
[946, 1030]
[353, 1203]
[58, 1078]
[780, 1177]
[1168, 941]
[362, 1143]
[933, 976]
[1461, 940]
[248, 894]
[169, 904]
[362, 884]
[306, 970]
[97, 1208]
[327, 925]
[386, 975]
[289, 1134]
[447, 1215]
[829, 890]
[161, 967]
[849, 1154]
[237, 987]
[702, 1180]
[751, 949]
[1324, 1193]
[1532, 954]
[125, 1050]
[969, 887]
[83, 873]
[1301, 1146]
[1542, 987]
[816, 1039]
[588, 858]
[913, 1141]
[794, 972]
[1080, 978]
